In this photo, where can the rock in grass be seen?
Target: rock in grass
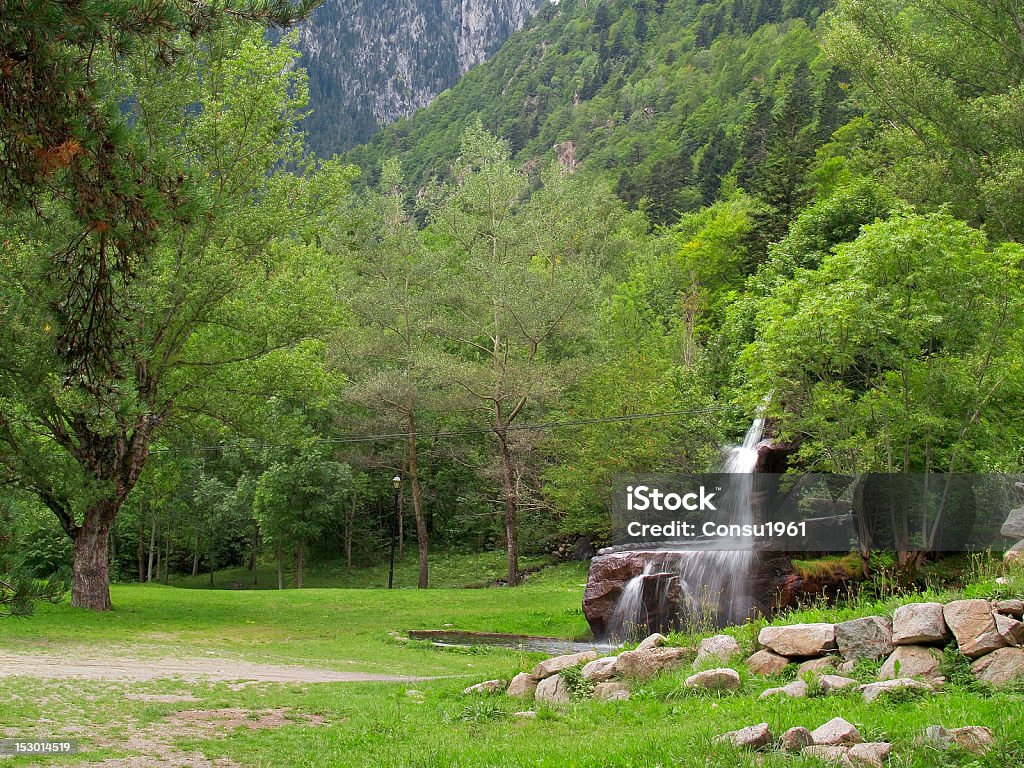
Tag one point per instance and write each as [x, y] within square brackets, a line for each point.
[795, 690]
[833, 755]
[816, 666]
[599, 670]
[523, 686]
[553, 689]
[872, 691]
[795, 739]
[873, 753]
[1010, 629]
[525, 715]
[799, 640]
[866, 638]
[1013, 556]
[721, 648]
[556, 664]
[1012, 608]
[643, 665]
[722, 679]
[1000, 667]
[752, 737]
[611, 691]
[487, 686]
[1013, 528]
[766, 663]
[973, 627]
[976, 739]
[911, 661]
[832, 683]
[652, 641]
[835, 732]
[919, 624]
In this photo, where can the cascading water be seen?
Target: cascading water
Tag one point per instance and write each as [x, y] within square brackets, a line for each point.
[712, 586]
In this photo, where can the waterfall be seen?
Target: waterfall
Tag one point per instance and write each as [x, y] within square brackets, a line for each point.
[712, 585]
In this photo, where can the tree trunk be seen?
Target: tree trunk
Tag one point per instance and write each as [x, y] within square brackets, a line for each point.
[349, 522]
[508, 487]
[417, 504]
[152, 551]
[401, 527]
[167, 554]
[298, 565]
[141, 554]
[280, 568]
[90, 582]
[255, 549]
[195, 555]
[212, 564]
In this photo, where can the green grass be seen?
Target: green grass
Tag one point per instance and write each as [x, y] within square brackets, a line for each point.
[370, 724]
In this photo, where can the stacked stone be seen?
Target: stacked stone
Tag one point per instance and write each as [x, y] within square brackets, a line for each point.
[1013, 528]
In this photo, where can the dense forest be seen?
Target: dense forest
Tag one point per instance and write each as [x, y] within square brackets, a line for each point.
[603, 251]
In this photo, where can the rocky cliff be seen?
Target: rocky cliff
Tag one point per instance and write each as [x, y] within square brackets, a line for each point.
[371, 62]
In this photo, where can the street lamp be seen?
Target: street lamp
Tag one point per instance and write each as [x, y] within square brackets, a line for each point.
[396, 483]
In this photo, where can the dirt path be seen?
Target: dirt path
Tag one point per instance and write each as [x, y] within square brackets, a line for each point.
[121, 667]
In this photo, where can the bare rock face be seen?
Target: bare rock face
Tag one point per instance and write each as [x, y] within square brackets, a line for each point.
[599, 670]
[1010, 629]
[486, 687]
[1000, 667]
[920, 624]
[556, 664]
[752, 737]
[795, 690]
[835, 732]
[721, 648]
[874, 753]
[553, 689]
[973, 626]
[869, 637]
[643, 665]
[799, 640]
[611, 691]
[523, 686]
[766, 663]
[913, 661]
[795, 739]
[723, 679]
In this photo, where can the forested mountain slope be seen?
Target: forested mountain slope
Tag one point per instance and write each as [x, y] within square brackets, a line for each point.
[668, 97]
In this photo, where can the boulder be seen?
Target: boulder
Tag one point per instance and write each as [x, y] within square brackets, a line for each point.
[719, 648]
[661, 594]
[556, 664]
[833, 755]
[795, 739]
[799, 640]
[487, 686]
[847, 667]
[599, 670]
[611, 691]
[835, 732]
[1014, 555]
[722, 679]
[1000, 667]
[766, 663]
[873, 691]
[973, 627]
[1010, 629]
[523, 686]
[643, 665]
[795, 690]
[1013, 528]
[553, 689]
[869, 637]
[651, 641]
[919, 624]
[1013, 608]
[873, 753]
[816, 666]
[752, 737]
[914, 661]
[830, 683]
[972, 738]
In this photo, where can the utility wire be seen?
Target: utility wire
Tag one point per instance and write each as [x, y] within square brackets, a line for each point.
[348, 439]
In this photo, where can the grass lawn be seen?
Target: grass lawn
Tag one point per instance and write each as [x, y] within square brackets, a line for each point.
[429, 723]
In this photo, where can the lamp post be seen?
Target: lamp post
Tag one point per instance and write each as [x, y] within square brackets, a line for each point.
[396, 483]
